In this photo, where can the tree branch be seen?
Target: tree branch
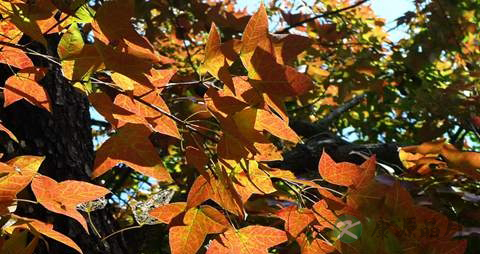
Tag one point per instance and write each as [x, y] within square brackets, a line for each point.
[307, 129]
[323, 15]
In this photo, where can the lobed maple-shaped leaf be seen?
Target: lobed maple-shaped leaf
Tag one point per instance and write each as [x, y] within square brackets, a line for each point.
[64, 197]
[167, 212]
[198, 222]
[345, 173]
[251, 239]
[23, 85]
[296, 219]
[133, 110]
[262, 120]
[218, 57]
[221, 190]
[41, 228]
[24, 169]
[122, 49]
[131, 145]
[255, 36]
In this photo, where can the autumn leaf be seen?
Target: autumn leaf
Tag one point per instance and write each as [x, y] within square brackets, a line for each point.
[23, 85]
[197, 158]
[262, 120]
[296, 219]
[80, 66]
[313, 245]
[122, 49]
[217, 58]
[251, 239]
[15, 57]
[150, 110]
[221, 190]
[71, 44]
[131, 146]
[345, 173]
[9, 133]
[325, 217]
[255, 36]
[64, 197]
[167, 212]
[41, 228]
[24, 169]
[198, 222]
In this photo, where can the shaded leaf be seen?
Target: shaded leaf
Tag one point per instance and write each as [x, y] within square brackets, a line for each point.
[131, 146]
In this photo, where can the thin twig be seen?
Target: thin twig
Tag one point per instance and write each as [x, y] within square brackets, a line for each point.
[323, 15]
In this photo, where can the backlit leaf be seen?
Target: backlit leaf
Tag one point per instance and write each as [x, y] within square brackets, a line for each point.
[198, 222]
[296, 219]
[64, 197]
[23, 85]
[247, 240]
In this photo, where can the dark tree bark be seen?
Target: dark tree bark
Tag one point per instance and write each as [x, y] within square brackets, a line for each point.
[65, 138]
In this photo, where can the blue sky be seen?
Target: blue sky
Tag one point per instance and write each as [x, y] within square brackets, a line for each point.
[387, 9]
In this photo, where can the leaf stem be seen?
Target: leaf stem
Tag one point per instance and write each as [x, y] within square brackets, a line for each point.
[25, 200]
[120, 231]
[93, 225]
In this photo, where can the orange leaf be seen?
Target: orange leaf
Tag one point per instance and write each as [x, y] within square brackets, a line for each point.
[64, 197]
[165, 213]
[25, 168]
[197, 158]
[15, 57]
[216, 63]
[198, 222]
[342, 173]
[220, 190]
[24, 85]
[38, 227]
[131, 146]
[255, 36]
[325, 217]
[139, 112]
[252, 239]
[296, 219]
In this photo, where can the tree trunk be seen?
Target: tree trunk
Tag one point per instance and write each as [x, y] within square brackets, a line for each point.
[65, 138]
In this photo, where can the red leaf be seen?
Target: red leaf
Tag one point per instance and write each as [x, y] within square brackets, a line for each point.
[64, 197]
